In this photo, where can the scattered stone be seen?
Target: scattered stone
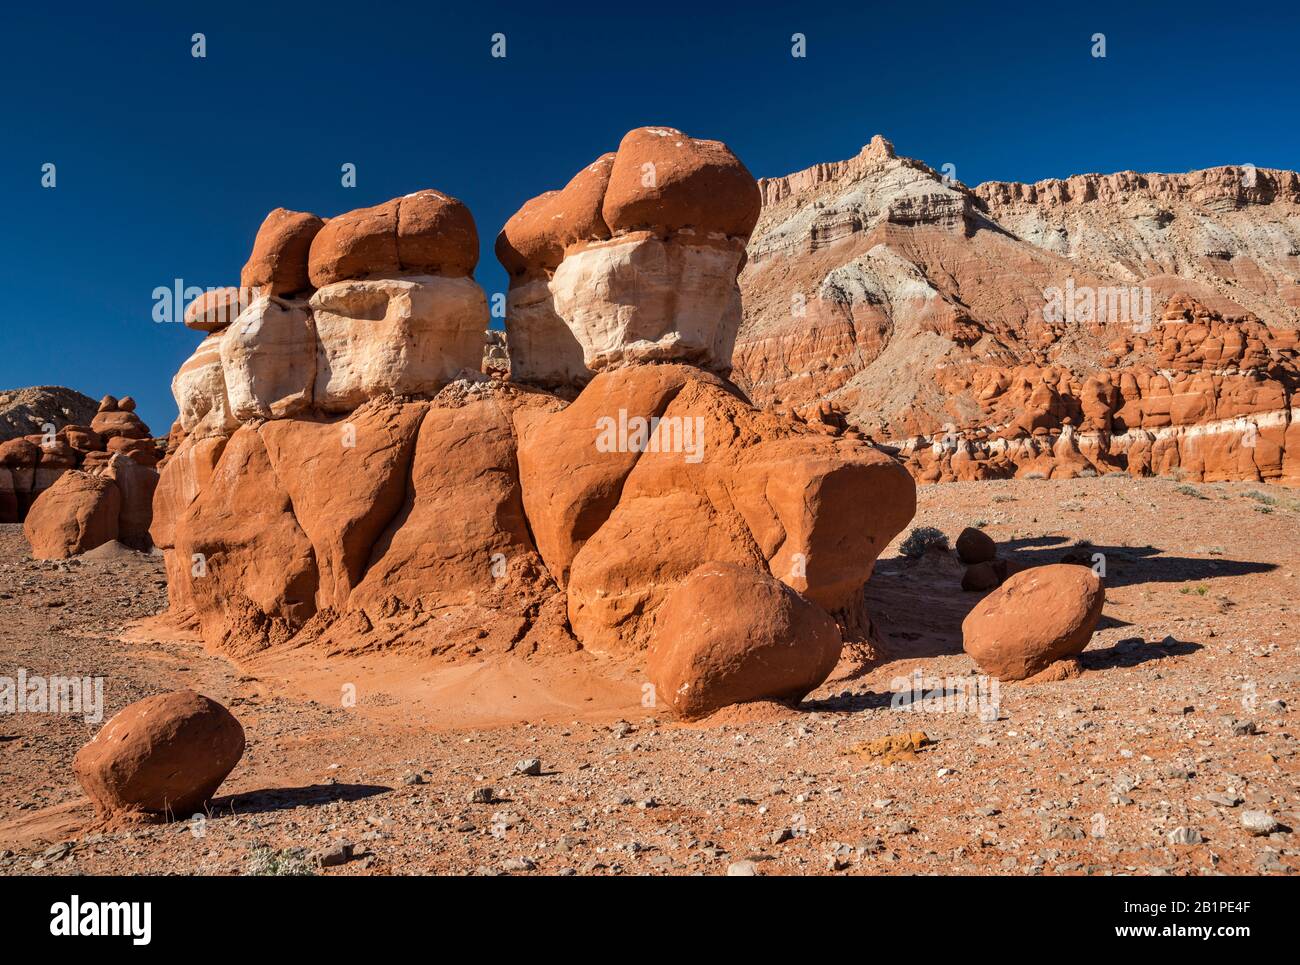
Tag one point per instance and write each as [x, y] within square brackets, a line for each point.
[334, 855]
[1184, 835]
[1259, 823]
[531, 767]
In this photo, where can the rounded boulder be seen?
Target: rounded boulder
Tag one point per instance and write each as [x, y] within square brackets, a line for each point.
[976, 546]
[730, 634]
[664, 180]
[422, 233]
[278, 263]
[1035, 618]
[77, 513]
[161, 757]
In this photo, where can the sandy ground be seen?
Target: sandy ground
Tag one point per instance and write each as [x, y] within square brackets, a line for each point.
[1184, 719]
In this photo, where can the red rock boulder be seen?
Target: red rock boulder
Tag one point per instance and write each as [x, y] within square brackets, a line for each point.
[211, 312]
[77, 513]
[422, 233]
[160, 758]
[666, 181]
[1035, 618]
[278, 264]
[730, 634]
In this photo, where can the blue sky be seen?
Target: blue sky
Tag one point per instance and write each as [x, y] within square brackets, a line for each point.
[166, 164]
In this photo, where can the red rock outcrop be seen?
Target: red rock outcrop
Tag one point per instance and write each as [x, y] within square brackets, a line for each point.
[425, 233]
[278, 264]
[344, 479]
[160, 758]
[109, 498]
[635, 260]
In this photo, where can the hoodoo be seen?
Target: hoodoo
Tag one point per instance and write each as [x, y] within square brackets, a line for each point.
[347, 477]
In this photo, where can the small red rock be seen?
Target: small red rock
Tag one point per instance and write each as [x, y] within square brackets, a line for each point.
[976, 546]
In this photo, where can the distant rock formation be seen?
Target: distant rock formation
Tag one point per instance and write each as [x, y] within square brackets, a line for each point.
[1098, 324]
[66, 515]
[25, 412]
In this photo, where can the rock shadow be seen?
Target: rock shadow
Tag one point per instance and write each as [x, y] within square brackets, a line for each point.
[272, 799]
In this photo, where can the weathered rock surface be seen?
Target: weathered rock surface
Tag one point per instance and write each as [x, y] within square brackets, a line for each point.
[719, 481]
[975, 546]
[371, 449]
[136, 484]
[278, 263]
[426, 233]
[160, 758]
[395, 336]
[268, 360]
[637, 257]
[214, 310]
[247, 568]
[571, 479]
[1038, 616]
[730, 634]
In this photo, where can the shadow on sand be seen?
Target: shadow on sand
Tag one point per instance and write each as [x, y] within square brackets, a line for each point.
[284, 798]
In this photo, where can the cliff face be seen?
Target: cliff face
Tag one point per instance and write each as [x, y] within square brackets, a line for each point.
[912, 304]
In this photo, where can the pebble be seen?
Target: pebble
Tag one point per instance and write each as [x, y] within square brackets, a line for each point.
[1183, 835]
[334, 855]
[1259, 822]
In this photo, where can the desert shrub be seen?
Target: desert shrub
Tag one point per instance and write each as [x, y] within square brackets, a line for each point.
[920, 539]
[292, 862]
[1189, 491]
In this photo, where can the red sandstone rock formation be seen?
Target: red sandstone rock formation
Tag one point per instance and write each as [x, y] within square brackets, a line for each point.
[343, 478]
[925, 311]
[634, 260]
[77, 513]
[66, 511]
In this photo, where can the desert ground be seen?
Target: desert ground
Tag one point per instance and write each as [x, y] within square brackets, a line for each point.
[1183, 720]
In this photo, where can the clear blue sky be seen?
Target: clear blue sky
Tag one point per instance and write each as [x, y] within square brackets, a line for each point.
[166, 164]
